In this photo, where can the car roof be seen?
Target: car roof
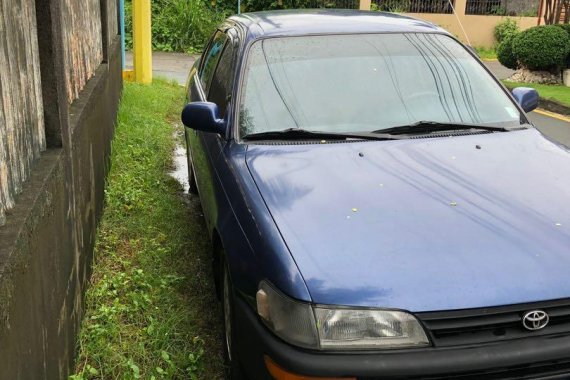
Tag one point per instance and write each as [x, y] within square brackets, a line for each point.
[327, 21]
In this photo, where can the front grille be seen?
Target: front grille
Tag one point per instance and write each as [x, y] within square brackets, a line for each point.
[495, 324]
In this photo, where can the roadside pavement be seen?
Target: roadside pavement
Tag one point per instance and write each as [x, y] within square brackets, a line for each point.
[498, 70]
[174, 66]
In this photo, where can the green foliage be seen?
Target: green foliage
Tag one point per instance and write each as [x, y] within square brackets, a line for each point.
[150, 307]
[544, 47]
[498, 10]
[395, 6]
[178, 25]
[566, 27]
[260, 5]
[505, 29]
[531, 12]
[505, 53]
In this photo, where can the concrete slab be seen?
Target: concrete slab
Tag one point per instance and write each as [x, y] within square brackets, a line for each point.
[174, 66]
[500, 71]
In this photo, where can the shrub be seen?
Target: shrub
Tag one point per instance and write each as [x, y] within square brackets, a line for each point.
[505, 53]
[504, 29]
[566, 27]
[542, 47]
[178, 25]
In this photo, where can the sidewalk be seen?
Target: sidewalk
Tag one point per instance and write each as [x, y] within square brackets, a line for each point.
[174, 66]
[498, 70]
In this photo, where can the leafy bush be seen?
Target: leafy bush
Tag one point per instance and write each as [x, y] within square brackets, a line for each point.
[566, 27]
[504, 29]
[395, 6]
[542, 47]
[178, 25]
[505, 53]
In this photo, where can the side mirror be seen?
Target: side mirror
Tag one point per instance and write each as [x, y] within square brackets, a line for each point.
[203, 116]
[526, 97]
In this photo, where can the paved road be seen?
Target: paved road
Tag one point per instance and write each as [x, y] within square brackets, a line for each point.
[177, 65]
[556, 129]
[550, 126]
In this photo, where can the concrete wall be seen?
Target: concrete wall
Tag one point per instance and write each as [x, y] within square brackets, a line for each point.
[479, 29]
[46, 243]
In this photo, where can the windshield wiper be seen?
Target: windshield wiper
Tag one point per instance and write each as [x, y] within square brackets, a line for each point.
[435, 126]
[303, 134]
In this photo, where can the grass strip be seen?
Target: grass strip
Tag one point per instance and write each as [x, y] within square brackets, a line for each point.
[150, 307]
[484, 53]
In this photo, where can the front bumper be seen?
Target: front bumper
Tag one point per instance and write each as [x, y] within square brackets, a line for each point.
[543, 357]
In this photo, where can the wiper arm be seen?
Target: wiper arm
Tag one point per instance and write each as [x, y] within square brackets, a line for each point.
[434, 126]
[303, 134]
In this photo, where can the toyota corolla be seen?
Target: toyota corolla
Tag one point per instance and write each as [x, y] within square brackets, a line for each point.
[379, 204]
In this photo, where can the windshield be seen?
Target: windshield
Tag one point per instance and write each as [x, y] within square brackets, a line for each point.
[367, 82]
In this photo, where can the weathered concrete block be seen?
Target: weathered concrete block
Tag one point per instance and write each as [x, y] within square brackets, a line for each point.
[46, 246]
[566, 77]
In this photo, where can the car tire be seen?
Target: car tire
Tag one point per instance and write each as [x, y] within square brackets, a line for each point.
[192, 187]
[233, 368]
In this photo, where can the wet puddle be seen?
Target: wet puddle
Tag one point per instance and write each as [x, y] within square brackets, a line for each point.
[180, 171]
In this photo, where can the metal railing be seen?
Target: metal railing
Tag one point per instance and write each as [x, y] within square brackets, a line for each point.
[413, 6]
[527, 8]
[311, 4]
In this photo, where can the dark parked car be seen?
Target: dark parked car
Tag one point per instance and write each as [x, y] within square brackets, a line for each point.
[379, 205]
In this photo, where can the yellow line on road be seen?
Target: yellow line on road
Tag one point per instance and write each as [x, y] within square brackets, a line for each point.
[553, 115]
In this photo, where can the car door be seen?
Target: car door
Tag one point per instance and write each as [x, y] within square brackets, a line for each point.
[212, 83]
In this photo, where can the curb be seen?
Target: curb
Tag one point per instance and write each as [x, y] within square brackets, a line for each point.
[554, 106]
[552, 115]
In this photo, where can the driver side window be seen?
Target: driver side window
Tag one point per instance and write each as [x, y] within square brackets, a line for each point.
[222, 82]
[210, 59]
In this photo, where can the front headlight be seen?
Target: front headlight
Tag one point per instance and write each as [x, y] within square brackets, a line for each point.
[320, 327]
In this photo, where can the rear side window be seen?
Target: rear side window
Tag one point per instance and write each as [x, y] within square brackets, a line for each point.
[210, 58]
[222, 81]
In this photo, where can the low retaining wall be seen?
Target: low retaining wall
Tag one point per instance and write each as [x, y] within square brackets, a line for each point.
[479, 29]
[46, 245]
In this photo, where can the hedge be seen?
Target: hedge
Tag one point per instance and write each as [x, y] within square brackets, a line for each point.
[544, 47]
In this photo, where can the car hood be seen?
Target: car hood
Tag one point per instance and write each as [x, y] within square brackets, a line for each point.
[423, 224]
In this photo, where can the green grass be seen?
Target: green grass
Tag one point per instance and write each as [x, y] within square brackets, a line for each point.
[150, 308]
[558, 93]
[486, 53]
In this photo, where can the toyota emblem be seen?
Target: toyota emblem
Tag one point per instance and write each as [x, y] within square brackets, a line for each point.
[535, 320]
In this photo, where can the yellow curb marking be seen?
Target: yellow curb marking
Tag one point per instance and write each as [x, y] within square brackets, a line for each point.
[553, 115]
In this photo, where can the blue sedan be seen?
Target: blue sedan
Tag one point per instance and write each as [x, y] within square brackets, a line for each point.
[379, 204]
